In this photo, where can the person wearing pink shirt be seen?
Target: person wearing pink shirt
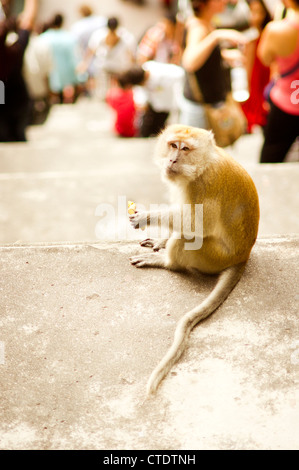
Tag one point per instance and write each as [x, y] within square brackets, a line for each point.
[279, 45]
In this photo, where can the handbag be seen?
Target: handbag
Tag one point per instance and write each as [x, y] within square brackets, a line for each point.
[225, 119]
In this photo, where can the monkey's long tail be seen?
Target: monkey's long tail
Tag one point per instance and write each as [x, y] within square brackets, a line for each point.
[225, 284]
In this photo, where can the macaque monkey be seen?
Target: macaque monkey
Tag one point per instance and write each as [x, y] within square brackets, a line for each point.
[200, 173]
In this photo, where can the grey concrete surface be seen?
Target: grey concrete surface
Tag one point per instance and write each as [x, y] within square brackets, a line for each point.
[55, 207]
[52, 185]
[82, 329]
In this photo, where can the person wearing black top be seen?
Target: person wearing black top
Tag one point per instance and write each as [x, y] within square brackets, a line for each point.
[203, 62]
[15, 111]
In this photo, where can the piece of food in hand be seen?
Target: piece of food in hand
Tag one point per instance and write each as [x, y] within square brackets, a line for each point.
[132, 210]
[131, 207]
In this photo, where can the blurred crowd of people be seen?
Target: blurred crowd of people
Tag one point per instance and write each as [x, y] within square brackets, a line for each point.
[219, 46]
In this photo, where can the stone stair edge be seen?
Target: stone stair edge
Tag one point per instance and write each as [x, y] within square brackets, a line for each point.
[263, 239]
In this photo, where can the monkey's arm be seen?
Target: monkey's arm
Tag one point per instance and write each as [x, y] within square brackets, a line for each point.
[166, 218]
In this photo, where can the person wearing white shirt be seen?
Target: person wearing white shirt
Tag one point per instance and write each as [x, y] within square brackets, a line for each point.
[111, 50]
[162, 86]
[86, 26]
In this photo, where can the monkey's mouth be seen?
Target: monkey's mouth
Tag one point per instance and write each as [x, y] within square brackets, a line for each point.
[171, 171]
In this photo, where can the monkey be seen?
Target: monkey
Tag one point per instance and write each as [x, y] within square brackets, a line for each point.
[199, 172]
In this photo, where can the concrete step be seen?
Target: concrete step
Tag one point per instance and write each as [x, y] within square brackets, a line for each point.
[76, 136]
[60, 205]
[82, 329]
[52, 185]
[81, 136]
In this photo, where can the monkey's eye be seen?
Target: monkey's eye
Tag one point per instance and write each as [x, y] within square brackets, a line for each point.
[173, 145]
[185, 148]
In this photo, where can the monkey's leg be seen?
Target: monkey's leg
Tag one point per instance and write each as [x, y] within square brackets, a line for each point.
[156, 245]
[149, 260]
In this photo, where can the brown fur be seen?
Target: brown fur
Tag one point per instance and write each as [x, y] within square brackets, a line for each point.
[199, 172]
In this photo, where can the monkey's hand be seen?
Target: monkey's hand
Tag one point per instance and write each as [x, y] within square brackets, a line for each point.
[139, 219]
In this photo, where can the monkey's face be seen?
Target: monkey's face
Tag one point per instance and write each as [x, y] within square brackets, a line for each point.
[181, 151]
[177, 163]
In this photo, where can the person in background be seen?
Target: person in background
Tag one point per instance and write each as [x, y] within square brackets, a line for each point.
[235, 15]
[38, 64]
[160, 42]
[161, 84]
[86, 26]
[203, 62]
[63, 45]
[15, 112]
[120, 98]
[255, 108]
[111, 50]
[279, 45]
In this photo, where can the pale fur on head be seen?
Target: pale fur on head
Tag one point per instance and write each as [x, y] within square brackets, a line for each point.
[201, 144]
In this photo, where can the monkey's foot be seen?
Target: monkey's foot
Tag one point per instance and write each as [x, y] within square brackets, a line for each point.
[150, 260]
[156, 245]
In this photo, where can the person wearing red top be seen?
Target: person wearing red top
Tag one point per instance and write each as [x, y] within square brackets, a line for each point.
[121, 99]
[279, 44]
[255, 108]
